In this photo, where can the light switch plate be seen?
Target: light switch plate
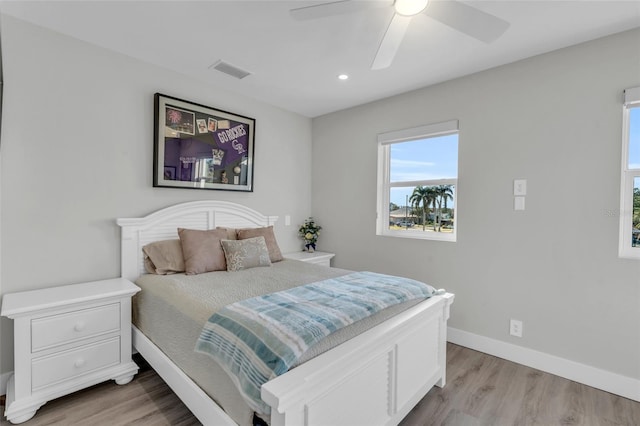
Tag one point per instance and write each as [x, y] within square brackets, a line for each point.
[520, 187]
[518, 203]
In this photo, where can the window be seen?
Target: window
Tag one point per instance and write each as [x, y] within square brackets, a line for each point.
[630, 186]
[417, 182]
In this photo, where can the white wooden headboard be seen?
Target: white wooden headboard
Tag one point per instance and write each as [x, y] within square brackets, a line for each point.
[163, 225]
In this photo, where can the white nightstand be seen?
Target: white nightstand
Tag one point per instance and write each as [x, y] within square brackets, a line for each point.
[66, 339]
[317, 257]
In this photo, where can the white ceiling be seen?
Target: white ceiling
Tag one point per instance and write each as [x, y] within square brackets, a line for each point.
[295, 64]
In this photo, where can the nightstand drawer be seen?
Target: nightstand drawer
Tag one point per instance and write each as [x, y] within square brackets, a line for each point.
[66, 365]
[64, 328]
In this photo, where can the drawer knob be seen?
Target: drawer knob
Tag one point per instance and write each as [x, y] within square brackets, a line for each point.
[79, 326]
[79, 363]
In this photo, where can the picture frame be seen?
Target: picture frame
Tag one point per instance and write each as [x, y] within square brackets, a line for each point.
[201, 147]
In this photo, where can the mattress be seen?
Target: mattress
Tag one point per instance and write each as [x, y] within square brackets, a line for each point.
[171, 311]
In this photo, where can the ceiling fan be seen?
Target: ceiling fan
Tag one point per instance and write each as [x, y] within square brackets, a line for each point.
[459, 16]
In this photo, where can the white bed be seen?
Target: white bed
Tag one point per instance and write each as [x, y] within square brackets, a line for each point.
[375, 378]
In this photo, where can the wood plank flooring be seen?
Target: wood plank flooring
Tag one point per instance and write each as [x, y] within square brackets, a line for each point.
[484, 390]
[481, 390]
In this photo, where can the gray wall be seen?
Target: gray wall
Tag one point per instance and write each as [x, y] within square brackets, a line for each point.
[554, 120]
[77, 153]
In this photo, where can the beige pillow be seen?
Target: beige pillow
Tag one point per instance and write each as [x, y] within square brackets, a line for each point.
[270, 239]
[163, 257]
[245, 254]
[232, 233]
[202, 250]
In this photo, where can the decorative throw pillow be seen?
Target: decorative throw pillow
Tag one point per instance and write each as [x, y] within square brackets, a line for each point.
[267, 232]
[245, 254]
[202, 250]
[163, 257]
[232, 233]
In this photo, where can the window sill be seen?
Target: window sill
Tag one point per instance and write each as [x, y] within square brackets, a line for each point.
[420, 235]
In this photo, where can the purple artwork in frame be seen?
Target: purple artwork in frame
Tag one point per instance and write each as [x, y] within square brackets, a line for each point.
[220, 157]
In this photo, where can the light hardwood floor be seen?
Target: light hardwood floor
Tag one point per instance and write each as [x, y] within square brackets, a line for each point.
[481, 390]
[484, 390]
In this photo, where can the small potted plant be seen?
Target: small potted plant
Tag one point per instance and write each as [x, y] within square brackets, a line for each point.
[309, 232]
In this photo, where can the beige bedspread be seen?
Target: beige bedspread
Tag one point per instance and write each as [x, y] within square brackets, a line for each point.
[171, 311]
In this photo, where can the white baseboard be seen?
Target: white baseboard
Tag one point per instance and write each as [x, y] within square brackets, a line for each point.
[4, 378]
[581, 373]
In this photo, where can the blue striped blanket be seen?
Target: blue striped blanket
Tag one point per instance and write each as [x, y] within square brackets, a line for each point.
[257, 339]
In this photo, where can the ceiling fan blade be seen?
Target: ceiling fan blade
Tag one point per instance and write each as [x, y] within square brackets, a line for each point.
[391, 41]
[335, 8]
[467, 19]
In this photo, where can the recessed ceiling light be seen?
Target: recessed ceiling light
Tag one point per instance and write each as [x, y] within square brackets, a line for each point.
[343, 77]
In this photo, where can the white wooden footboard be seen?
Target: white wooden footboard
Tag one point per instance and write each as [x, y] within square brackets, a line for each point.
[375, 378]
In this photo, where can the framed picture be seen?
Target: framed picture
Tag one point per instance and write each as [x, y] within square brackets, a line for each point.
[202, 125]
[200, 147]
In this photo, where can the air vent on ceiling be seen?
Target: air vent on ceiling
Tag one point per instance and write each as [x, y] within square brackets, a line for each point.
[229, 69]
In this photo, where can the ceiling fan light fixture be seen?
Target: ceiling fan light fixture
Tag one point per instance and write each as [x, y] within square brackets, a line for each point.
[409, 7]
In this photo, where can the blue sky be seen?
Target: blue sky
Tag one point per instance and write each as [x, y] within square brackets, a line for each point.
[432, 158]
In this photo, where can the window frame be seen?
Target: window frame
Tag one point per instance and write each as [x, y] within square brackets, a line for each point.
[385, 140]
[626, 250]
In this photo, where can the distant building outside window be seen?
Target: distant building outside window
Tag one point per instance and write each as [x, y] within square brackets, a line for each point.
[417, 182]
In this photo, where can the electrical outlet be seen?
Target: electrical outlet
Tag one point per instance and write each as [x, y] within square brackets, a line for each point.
[515, 328]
